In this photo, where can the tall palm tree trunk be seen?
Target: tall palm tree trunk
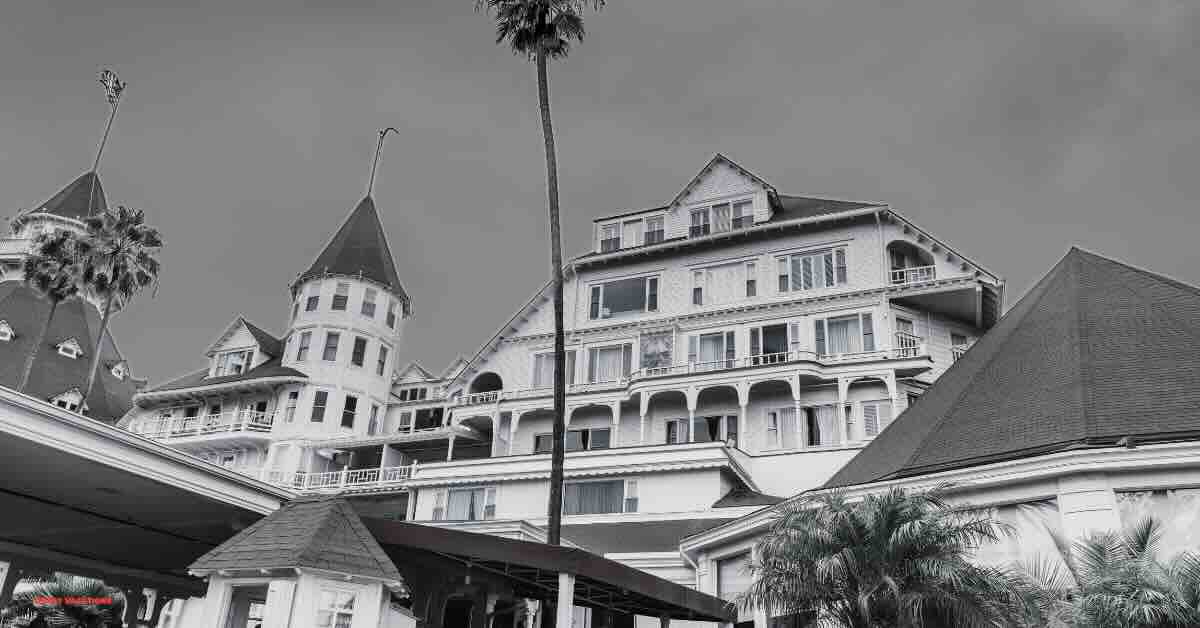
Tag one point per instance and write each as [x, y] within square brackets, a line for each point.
[99, 344]
[554, 508]
[37, 346]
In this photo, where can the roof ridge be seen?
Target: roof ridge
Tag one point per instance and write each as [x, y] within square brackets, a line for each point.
[1084, 349]
[1145, 271]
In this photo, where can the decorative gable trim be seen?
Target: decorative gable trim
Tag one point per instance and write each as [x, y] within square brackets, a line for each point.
[70, 348]
[416, 369]
[232, 327]
[712, 163]
[6, 331]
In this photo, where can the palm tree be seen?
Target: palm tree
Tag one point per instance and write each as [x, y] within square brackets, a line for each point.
[542, 30]
[1117, 579]
[65, 601]
[53, 271]
[894, 559]
[118, 262]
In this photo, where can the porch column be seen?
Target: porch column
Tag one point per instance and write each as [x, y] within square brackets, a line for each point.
[664, 621]
[495, 430]
[760, 615]
[843, 391]
[643, 410]
[450, 449]
[692, 398]
[616, 423]
[802, 435]
[743, 391]
[160, 602]
[566, 600]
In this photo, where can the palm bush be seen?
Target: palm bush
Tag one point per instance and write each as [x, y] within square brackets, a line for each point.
[1112, 579]
[52, 269]
[118, 262]
[894, 559]
[61, 601]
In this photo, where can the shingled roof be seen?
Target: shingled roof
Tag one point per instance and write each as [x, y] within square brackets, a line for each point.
[359, 248]
[270, 368]
[318, 533]
[1095, 352]
[54, 374]
[72, 201]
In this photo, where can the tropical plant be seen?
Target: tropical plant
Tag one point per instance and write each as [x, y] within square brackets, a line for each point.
[52, 269]
[119, 261]
[541, 31]
[65, 601]
[1112, 579]
[891, 560]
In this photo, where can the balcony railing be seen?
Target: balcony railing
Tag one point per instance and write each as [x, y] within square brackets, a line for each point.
[918, 274]
[957, 352]
[182, 427]
[473, 399]
[908, 345]
[334, 481]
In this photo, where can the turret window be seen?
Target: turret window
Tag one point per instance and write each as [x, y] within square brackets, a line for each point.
[341, 296]
[6, 332]
[314, 298]
[381, 364]
[368, 303]
[289, 410]
[70, 348]
[391, 315]
[349, 410]
[320, 400]
[331, 346]
[359, 354]
[302, 347]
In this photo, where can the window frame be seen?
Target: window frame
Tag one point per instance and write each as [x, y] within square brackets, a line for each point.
[650, 294]
[381, 358]
[359, 358]
[866, 334]
[541, 356]
[441, 505]
[835, 269]
[341, 297]
[369, 296]
[325, 349]
[336, 614]
[611, 242]
[289, 407]
[586, 439]
[626, 349]
[320, 400]
[303, 345]
[349, 411]
[626, 483]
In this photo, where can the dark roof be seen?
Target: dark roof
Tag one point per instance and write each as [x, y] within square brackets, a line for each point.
[269, 344]
[1095, 352]
[359, 247]
[532, 570]
[636, 536]
[270, 368]
[796, 207]
[742, 496]
[314, 533]
[72, 201]
[53, 373]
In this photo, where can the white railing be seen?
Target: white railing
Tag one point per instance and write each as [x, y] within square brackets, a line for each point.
[478, 398]
[957, 352]
[182, 427]
[908, 345]
[14, 246]
[901, 276]
[349, 479]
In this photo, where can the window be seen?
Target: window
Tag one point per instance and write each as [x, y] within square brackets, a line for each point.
[70, 348]
[656, 351]
[391, 315]
[296, 309]
[677, 431]
[319, 400]
[751, 279]
[654, 230]
[349, 409]
[610, 238]
[413, 394]
[331, 346]
[596, 497]
[368, 303]
[700, 225]
[631, 230]
[845, 334]
[743, 214]
[543, 369]
[254, 615]
[373, 424]
[769, 344]
[721, 220]
[381, 363]
[358, 356]
[715, 429]
[809, 271]
[302, 348]
[575, 440]
[289, 410]
[335, 609]
[623, 296]
[876, 416]
[610, 364]
[467, 504]
[314, 298]
[233, 362]
[698, 287]
[341, 296]
[6, 331]
[715, 285]
[712, 351]
[782, 431]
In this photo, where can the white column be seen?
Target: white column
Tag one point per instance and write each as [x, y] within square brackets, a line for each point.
[566, 600]
[693, 398]
[450, 449]
[643, 410]
[616, 424]
[843, 392]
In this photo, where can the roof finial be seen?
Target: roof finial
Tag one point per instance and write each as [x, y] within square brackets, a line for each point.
[378, 150]
[113, 87]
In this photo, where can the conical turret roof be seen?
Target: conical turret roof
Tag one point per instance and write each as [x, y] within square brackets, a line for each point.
[359, 248]
[72, 201]
[1096, 352]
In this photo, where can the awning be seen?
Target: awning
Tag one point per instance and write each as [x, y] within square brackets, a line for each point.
[533, 569]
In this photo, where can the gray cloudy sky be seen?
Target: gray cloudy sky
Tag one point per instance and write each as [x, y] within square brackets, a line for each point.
[1011, 129]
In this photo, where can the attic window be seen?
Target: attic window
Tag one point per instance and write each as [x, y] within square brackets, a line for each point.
[233, 362]
[70, 348]
[71, 400]
[119, 371]
[6, 331]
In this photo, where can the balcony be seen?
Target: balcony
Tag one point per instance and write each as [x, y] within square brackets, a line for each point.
[403, 435]
[957, 352]
[918, 274]
[245, 421]
[11, 247]
[339, 481]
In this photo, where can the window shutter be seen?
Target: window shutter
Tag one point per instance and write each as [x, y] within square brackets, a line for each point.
[730, 347]
[841, 266]
[693, 348]
[828, 270]
[626, 359]
[594, 312]
[868, 332]
[870, 419]
[652, 294]
[755, 341]
[801, 273]
[820, 336]
[592, 365]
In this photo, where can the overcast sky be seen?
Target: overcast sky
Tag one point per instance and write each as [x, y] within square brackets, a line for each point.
[1010, 129]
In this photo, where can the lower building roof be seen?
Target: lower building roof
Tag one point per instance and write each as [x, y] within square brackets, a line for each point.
[636, 536]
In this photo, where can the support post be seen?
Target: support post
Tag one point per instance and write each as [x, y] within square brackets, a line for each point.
[664, 621]
[566, 600]
[616, 423]
[843, 393]
[450, 449]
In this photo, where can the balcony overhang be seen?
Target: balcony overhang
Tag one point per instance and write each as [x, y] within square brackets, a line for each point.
[966, 299]
[416, 436]
[205, 391]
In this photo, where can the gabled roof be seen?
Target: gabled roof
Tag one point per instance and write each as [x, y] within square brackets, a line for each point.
[267, 342]
[318, 533]
[416, 367]
[359, 248]
[72, 201]
[270, 368]
[718, 158]
[53, 373]
[1096, 352]
[742, 496]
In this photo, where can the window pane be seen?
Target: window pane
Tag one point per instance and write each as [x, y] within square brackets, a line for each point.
[599, 439]
[574, 440]
[585, 498]
[656, 350]
[627, 295]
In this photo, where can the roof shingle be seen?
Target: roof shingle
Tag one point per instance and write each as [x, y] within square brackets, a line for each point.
[359, 248]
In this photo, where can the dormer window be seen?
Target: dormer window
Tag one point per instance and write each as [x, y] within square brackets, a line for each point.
[233, 362]
[71, 400]
[610, 238]
[120, 370]
[70, 348]
[654, 230]
[6, 331]
[721, 217]
[700, 223]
